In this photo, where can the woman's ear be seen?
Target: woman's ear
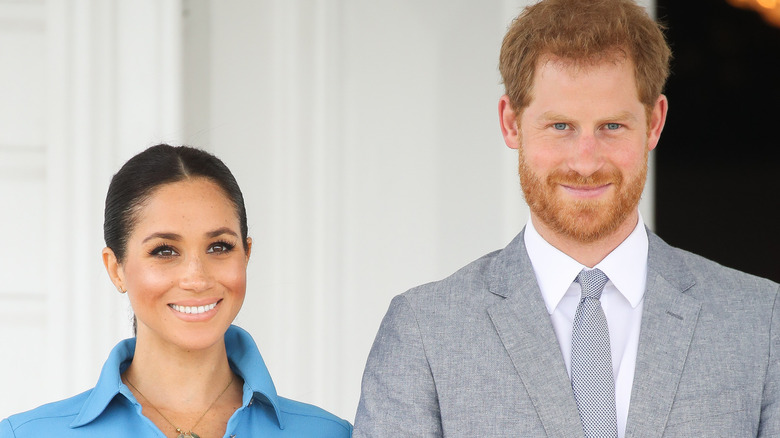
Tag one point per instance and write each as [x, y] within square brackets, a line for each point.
[114, 269]
[248, 248]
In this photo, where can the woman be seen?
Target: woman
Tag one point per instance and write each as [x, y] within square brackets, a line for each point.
[176, 242]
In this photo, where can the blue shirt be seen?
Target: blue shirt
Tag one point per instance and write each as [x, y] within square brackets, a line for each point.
[110, 409]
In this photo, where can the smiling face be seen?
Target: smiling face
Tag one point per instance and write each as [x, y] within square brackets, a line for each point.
[583, 145]
[185, 267]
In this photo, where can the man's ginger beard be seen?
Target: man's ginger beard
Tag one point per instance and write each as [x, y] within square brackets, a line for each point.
[585, 221]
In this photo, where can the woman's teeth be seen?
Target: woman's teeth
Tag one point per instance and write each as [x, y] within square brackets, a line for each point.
[193, 309]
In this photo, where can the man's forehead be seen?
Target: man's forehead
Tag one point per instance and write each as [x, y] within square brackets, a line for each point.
[574, 67]
[576, 64]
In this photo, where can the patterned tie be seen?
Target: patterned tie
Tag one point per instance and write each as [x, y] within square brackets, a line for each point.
[591, 360]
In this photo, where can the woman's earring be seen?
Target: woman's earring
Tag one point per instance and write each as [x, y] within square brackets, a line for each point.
[119, 289]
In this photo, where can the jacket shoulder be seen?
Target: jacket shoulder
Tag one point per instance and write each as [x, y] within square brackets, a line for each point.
[672, 262]
[470, 278]
[708, 280]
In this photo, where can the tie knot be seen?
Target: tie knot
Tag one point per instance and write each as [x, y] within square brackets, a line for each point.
[592, 283]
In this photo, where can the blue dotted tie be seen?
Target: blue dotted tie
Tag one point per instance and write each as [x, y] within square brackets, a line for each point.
[591, 360]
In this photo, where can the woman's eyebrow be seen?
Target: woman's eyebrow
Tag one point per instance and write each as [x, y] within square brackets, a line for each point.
[174, 236]
[220, 231]
[169, 236]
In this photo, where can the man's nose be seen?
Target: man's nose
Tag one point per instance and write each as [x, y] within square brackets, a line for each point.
[586, 154]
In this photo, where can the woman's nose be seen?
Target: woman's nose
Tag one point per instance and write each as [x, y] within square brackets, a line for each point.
[196, 276]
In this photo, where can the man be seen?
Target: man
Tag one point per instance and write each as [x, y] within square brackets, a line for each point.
[586, 323]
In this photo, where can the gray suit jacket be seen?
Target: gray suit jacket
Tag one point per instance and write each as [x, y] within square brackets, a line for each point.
[475, 355]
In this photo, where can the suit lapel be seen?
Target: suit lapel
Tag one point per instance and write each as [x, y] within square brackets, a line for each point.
[668, 321]
[526, 331]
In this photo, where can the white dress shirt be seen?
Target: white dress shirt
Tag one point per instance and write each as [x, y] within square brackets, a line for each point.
[622, 299]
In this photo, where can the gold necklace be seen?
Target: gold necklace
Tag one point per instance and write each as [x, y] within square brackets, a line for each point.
[181, 433]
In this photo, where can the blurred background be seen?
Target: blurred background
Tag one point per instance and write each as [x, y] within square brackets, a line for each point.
[718, 185]
[365, 137]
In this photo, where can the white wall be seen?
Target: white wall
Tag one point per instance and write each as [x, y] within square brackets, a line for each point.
[84, 85]
[364, 135]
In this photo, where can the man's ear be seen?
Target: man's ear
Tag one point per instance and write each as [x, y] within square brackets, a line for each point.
[657, 121]
[114, 269]
[509, 123]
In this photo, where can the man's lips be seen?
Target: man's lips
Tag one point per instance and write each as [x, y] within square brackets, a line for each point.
[586, 191]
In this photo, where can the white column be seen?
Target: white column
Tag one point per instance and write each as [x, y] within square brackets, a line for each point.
[97, 82]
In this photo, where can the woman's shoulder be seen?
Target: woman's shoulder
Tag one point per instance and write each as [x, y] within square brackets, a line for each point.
[292, 417]
[303, 417]
[44, 419]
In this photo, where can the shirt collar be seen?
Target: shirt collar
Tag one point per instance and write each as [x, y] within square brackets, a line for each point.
[625, 266]
[109, 383]
[247, 362]
[244, 357]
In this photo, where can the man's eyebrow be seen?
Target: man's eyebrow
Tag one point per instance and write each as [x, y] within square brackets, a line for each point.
[168, 236]
[623, 115]
[552, 115]
[220, 231]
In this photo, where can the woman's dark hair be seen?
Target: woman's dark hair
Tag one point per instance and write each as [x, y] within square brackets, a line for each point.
[152, 168]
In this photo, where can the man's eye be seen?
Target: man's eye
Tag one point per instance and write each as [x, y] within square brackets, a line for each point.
[613, 126]
[559, 126]
[164, 251]
[220, 247]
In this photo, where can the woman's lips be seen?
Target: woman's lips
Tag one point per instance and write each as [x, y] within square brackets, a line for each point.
[193, 309]
[195, 312]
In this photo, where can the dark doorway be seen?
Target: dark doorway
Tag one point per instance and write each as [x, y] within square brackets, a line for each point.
[718, 162]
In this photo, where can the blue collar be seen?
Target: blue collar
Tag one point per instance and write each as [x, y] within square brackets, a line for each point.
[244, 357]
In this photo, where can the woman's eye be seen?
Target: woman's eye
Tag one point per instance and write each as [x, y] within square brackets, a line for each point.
[613, 126]
[220, 247]
[164, 251]
[559, 126]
